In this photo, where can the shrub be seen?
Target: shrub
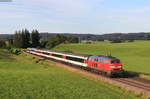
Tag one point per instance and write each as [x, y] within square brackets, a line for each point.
[2, 44]
[131, 41]
[15, 51]
[117, 41]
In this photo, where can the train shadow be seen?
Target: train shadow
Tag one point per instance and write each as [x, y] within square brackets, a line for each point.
[131, 74]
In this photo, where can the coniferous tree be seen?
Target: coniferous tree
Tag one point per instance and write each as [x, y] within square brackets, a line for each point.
[22, 38]
[2, 44]
[26, 38]
[35, 37]
[22, 34]
[17, 39]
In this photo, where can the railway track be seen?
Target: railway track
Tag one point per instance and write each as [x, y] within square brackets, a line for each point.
[135, 84]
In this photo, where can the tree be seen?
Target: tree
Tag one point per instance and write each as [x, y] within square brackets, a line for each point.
[117, 41]
[10, 42]
[22, 39]
[18, 39]
[58, 39]
[2, 44]
[72, 39]
[43, 43]
[27, 38]
[35, 37]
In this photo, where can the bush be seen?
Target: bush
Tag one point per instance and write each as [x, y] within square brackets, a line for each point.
[2, 44]
[88, 42]
[131, 41]
[43, 43]
[58, 39]
[15, 51]
[117, 41]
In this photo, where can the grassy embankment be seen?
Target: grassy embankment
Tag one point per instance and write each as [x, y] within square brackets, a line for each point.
[24, 77]
[135, 56]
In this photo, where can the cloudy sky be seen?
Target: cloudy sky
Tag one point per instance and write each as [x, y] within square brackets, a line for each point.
[76, 16]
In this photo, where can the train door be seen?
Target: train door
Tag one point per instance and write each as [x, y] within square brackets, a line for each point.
[105, 64]
[100, 64]
[95, 63]
[90, 61]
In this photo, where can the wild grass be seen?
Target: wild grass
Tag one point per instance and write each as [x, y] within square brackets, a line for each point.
[135, 56]
[22, 77]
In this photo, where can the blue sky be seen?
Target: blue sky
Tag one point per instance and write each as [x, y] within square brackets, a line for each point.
[76, 16]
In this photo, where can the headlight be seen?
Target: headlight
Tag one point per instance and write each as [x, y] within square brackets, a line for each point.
[112, 66]
[115, 66]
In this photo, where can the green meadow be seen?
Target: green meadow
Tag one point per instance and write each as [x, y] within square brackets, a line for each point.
[25, 77]
[135, 56]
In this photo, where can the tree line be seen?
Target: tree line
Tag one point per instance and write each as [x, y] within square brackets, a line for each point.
[60, 39]
[24, 39]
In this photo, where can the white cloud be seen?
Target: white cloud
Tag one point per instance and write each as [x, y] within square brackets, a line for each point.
[62, 22]
[64, 8]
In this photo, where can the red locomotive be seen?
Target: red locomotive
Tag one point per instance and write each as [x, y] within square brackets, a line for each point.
[109, 65]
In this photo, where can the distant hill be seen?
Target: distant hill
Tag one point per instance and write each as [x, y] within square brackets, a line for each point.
[94, 37]
[47, 36]
[6, 36]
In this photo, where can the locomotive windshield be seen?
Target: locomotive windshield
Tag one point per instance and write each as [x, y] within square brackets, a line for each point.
[115, 61]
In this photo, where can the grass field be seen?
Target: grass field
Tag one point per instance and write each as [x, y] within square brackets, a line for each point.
[23, 77]
[135, 56]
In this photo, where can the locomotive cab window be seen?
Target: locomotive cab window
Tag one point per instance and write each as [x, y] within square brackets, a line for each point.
[96, 59]
[115, 61]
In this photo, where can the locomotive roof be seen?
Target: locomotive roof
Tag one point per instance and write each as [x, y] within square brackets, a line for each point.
[106, 57]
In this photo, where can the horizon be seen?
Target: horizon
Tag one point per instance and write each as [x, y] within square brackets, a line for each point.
[78, 16]
[78, 33]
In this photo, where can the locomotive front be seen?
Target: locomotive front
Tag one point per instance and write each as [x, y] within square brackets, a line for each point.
[116, 67]
[110, 65]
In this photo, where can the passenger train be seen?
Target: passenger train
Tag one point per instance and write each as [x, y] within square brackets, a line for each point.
[107, 64]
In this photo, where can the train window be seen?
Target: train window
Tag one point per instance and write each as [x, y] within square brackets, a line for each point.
[96, 59]
[75, 59]
[45, 53]
[105, 61]
[115, 61]
[90, 58]
[99, 60]
[56, 55]
[93, 59]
